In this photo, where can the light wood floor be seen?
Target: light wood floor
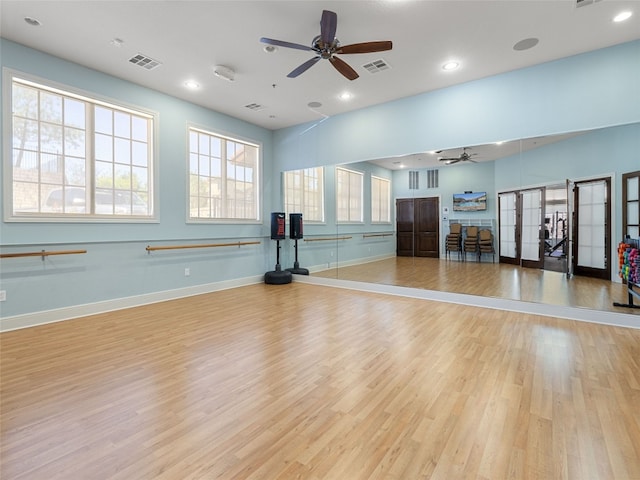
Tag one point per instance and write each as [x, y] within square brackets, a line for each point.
[490, 280]
[307, 382]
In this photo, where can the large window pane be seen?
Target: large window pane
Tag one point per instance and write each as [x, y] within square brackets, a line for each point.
[62, 140]
[224, 181]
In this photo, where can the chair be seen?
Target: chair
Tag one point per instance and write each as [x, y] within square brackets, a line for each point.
[471, 241]
[453, 241]
[485, 244]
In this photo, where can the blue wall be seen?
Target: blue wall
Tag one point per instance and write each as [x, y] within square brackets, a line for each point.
[583, 92]
[588, 91]
[116, 264]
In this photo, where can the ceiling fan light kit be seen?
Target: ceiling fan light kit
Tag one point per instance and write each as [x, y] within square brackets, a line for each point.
[326, 46]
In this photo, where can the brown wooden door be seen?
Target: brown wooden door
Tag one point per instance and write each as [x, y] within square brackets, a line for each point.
[592, 228]
[521, 225]
[417, 223]
[426, 227]
[404, 227]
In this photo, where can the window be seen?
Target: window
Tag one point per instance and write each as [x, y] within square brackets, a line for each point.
[631, 204]
[304, 193]
[223, 177]
[349, 195]
[74, 156]
[380, 200]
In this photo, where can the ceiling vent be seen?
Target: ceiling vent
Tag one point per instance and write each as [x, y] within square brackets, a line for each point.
[255, 107]
[376, 66]
[145, 62]
[584, 3]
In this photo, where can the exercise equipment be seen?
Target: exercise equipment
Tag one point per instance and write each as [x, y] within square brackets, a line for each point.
[277, 276]
[295, 233]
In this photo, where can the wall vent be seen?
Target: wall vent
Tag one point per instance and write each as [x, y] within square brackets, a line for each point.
[432, 178]
[376, 66]
[414, 180]
[584, 3]
[145, 62]
[254, 106]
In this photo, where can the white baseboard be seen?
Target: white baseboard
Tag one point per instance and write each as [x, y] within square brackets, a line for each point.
[67, 313]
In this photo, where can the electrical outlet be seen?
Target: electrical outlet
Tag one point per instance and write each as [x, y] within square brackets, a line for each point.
[3, 295]
[187, 272]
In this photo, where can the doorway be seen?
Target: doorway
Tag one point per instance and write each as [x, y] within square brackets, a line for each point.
[521, 220]
[556, 234]
[417, 224]
[591, 230]
[565, 228]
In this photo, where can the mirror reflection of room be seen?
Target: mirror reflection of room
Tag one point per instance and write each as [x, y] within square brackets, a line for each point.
[539, 259]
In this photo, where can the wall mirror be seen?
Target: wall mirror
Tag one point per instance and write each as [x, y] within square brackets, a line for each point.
[365, 250]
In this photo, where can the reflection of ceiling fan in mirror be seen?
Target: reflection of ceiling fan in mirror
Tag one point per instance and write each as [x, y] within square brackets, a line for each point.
[464, 157]
[326, 46]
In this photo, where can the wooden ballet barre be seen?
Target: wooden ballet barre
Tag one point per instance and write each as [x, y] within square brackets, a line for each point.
[149, 248]
[325, 239]
[368, 235]
[42, 253]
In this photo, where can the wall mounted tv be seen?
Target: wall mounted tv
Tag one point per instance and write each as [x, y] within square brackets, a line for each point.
[469, 202]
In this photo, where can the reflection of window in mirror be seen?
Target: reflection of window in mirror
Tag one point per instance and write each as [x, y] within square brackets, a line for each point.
[304, 193]
[349, 195]
[631, 204]
[380, 200]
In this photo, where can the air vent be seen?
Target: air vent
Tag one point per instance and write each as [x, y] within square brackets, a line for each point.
[584, 3]
[145, 62]
[414, 177]
[432, 178]
[254, 106]
[376, 66]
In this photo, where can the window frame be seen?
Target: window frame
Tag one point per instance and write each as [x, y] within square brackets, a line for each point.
[625, 201]
[43, 84]
[198, 128]
[305, 194]
[388, 199]
[361, 200]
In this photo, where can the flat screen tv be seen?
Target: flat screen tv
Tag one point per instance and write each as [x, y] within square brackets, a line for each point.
[469, 202]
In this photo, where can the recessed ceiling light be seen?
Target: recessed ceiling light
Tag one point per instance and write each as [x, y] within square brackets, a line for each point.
[450, 66]
[622, 16]
[314, 104]
[526, 44]
[34, 22]
[499, 143]
[345, 96]
[192, 84]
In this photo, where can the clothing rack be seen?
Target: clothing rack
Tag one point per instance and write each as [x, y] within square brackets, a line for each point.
[629, 252]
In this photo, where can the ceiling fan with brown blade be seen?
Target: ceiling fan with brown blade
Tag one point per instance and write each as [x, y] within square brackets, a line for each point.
[464, 157]
[326, 46]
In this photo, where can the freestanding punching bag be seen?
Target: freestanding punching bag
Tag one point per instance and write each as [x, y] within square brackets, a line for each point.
[277, 276]
[295, 233]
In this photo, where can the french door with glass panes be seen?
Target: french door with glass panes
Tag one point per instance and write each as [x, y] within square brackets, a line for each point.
[592, 228]
[631, 205]
[521, 227]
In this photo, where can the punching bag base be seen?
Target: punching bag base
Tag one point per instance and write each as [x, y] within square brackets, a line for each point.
[277, 277]
[298, 271]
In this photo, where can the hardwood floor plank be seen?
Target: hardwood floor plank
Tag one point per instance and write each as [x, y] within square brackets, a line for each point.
[316, 383]
[485, 279]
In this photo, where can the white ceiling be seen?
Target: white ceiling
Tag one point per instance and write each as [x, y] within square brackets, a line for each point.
[477, 153]
[190, 37]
